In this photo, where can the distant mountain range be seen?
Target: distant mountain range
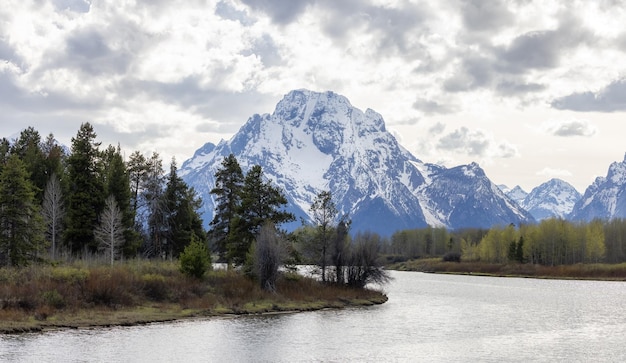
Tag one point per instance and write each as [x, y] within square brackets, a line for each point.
[604, 199]
[313, 142]
[554, 198]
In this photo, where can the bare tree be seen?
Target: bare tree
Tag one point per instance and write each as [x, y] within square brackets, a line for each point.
[110, 232]
[268, 256]
[340, 250]
[363, 267]
[53, 211]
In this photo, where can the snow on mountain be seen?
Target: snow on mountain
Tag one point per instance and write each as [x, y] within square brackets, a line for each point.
[465, 197]
[605, 198]
[554, 198]
[319, 141]
[517, 193]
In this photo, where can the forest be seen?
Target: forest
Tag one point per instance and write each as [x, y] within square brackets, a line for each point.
[551, 242]
[91, 203]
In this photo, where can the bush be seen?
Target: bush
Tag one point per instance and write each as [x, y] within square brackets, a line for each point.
[452, 257]
[53, 298]
[155, 287]
[195, 259]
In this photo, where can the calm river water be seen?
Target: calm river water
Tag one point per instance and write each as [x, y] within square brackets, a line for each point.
[428, 318]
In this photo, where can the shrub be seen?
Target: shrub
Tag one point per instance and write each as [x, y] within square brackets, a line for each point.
[53, 298]
[155, 287]
[452, 257]
[195, 259]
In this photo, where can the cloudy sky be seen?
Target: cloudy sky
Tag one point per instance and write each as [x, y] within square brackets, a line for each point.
[530, 90]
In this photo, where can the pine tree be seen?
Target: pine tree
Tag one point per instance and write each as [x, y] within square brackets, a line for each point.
[183, 219]
[54, 157]
[5, 152]
[155, 206]
[227, 191]
[260, 202]
[28, 148]
[21, 225]
[117, 184]
[137, 171]
[86, 193]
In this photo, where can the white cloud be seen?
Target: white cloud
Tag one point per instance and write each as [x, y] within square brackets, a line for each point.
[569, 128]
[165, 69]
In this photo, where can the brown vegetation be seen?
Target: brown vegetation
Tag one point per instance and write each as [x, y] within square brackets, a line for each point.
[594, 271]
[78, 295]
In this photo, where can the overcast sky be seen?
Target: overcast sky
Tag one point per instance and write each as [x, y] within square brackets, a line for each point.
[530, 90]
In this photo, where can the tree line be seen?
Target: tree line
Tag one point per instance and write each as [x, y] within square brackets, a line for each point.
[551, 242]
[244, 232]
[90, 201]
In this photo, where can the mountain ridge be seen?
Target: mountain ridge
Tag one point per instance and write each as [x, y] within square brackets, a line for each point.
[319, 141]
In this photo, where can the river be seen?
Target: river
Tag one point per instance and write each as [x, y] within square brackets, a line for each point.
[428, 318]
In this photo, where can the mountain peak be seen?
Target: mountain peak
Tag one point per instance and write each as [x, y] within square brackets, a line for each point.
[554, 198]
[317, 141]
[606, 197]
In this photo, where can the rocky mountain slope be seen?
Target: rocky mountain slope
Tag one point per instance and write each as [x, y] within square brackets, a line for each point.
[319, 141]
[605, 198]
[552, 199]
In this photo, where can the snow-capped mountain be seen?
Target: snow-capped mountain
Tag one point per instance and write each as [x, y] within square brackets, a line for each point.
[554, 198]
[517, 193]
[605, 198]
[319, 141]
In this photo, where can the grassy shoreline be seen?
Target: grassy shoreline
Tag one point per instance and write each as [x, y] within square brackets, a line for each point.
[596, 271]
[41, 298]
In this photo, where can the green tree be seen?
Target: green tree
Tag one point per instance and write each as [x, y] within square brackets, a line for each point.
[324, 215]
[155, 206]
[5, 152]
[28, 148]
[21, 224]
[195, 260]
[594, 238]
[183, 219]
[54, 157]
[227, 192]
[260, 202]
[117, 184]
[340, 250]
[85, 200]
[137, 172]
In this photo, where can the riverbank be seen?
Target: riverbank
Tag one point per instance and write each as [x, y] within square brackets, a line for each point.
[595, 271]
[42, 298]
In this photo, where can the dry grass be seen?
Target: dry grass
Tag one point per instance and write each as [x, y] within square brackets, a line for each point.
[80, 294]
[596, 271]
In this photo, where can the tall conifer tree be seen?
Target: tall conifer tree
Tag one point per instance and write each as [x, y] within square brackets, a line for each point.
[21, 225]
[86, 192]
[227, 191]
[183, 219]
[117, 184]
[260, 202]
[28, 148]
